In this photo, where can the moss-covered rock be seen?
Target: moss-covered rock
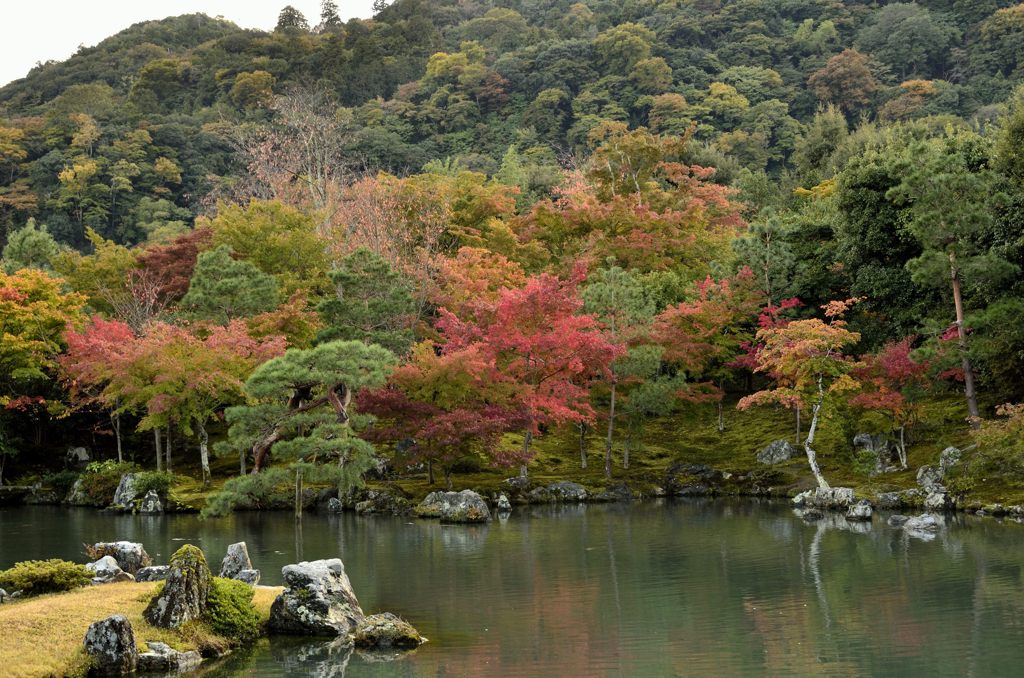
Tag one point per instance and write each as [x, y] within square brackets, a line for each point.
[386, 630]
[184, 595]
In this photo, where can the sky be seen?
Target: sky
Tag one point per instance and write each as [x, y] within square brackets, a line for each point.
[34, 30]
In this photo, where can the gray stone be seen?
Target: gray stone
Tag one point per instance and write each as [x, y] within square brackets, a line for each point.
[125, 493]
[249, 576]
[929, 478]
[318, 601]
[183, 597]
[110, 644]
[862, 510]
[236, 560]
[833, 498]
[949, 457]
[334, 505]
[76, 495]
[153, 573]
[3, 596]
[77, 456]
[385, 631]
[876, 445]
[897, 520]
[618, 492]
[384, 502]
[924, 523]
[558, 493]
[503, 503]
[776, 452]
[131, 556]
[151, 503]
[104, 570]
[684, 479]
[455, 507]
[162, 658]
[939, 501]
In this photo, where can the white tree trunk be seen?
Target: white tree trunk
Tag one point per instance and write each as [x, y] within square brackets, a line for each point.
[204, 452]
[812, 457]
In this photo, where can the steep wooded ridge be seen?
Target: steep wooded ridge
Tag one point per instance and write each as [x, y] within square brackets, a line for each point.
[475, 224]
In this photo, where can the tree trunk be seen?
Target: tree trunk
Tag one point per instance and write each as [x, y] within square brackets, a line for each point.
[115, 423]
[430, 473]
[902, 450]
[583, 445]
[721, 418]
[972, 397]
[798, 425]
[204, 451]
[812, 457]
[608, 440]
[159, 449]
[626, 447]
[298, 494]
[527, 439]
[241, 462]
[167, 466]
[448, 478]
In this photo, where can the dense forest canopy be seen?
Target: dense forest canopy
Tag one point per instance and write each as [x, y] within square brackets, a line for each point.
[674, 184]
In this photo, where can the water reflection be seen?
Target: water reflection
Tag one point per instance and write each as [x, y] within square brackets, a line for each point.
[694, 588]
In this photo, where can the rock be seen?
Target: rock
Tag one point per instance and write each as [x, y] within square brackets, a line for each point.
[3, 596]
[104, 570]
[318, 601]
[995, 509]
[386, 630]
[926, 522]
[802, 499]
[811, 515]
[334, 505]
[832, 498]
[876, 445]
[236, 560]
[930, 478]
[162, 658]
[14, 595]
[939, 501]
[949, 457]
[77, 456]
[153, 573]
[558, 492]
[385, 502]
[503, 504]
[618, 492]
[249, 576]
[683, 480]
[76, 495]
[897, 520]
[776, 452]
[862, 510]
[125, 493]
[110, 644]
[151, 503]
[455, 507]
[184, 594]
[130, 556]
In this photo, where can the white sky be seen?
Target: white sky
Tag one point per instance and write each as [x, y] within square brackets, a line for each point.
[40, 30]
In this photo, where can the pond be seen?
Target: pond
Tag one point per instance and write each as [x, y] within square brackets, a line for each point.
[711, 588]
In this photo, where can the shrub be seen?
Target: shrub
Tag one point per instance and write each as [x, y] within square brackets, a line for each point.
[60, 482]
[33, 577]
[160, 481]
[99, 482]
[229, 610]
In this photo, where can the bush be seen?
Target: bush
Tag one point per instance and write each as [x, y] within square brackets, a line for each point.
[60, 482]
[33, 577]
[159, 481]
[100, 480]
[229, 610]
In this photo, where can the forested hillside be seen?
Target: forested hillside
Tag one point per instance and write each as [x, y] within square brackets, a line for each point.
[474, 223]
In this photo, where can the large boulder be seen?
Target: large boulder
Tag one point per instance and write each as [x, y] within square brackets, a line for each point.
[833, 498]
[949, 457]
[183, 597]
[153, 573]
[939, 501]
[131, 556]
[929, 478]
[151, 503]
[318, 600]
[862, 510]
[386, 631]
[105, 571]
[558, 492]
[455, 507]
[126, 492]
[162, 658]
[110, 644]
[776, 452]
[236, 560]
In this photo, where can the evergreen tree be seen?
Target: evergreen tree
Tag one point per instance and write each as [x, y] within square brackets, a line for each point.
[329, 19]
[291, 19]
[30, 246]
[223, 288]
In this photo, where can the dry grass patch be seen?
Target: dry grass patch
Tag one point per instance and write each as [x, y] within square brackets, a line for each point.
[42, 636]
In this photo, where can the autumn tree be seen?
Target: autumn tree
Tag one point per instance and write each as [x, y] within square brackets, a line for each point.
[806, 360]
[845, 81]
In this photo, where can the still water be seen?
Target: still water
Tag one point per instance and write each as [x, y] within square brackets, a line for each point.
[679, 589]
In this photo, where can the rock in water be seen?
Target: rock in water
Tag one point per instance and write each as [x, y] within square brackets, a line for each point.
[925, 523]
[559, 492]
[154, 573]
[387, 630]
[250, 577]
[125, 493]
[318, 601]
[236, 560]
[898, 520]
[334, 505]
[776, 452]
[860, 511]
[151, 503]
[162, 658]
[184, 594]
[455, 507]
[503, 504]
[110, 644]
[130, 556]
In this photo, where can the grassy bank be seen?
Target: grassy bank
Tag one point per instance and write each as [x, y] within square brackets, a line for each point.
[42, 636]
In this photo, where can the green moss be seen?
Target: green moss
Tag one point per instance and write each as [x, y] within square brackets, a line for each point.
[33, 577]
[230, 612]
